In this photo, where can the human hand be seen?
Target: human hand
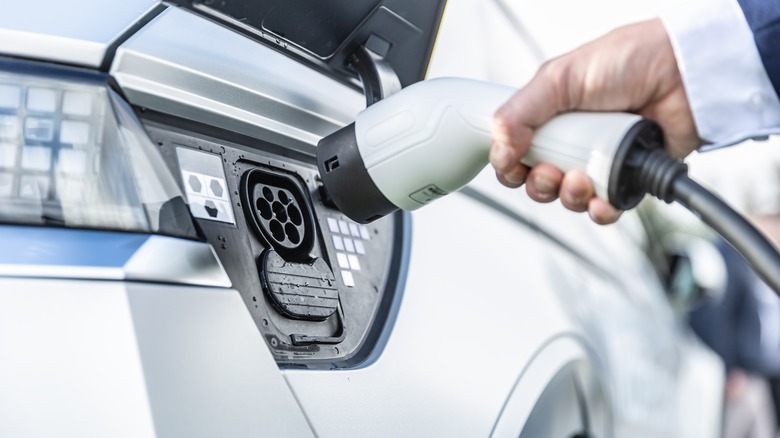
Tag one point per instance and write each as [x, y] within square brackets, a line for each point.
[632, 69]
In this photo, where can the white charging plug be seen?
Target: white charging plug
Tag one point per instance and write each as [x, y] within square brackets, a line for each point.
[432, 138]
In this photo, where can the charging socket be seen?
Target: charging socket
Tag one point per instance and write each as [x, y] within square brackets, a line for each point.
[278, 212]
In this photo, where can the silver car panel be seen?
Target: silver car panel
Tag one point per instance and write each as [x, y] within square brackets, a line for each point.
[78, 34]
[178, 65]
[40, 252]
[100, 359]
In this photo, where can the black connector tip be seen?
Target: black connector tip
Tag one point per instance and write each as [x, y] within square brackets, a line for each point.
[641, 166]
[347, 183]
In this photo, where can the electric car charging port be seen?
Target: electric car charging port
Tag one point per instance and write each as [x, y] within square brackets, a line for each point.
[278, 212]
[319, 287]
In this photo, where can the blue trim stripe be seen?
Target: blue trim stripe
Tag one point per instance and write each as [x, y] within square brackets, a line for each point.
[20, 245]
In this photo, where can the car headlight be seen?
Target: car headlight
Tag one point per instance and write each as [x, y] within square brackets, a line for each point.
[73, 154]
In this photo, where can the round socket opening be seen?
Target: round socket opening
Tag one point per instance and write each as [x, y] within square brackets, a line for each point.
[268, 194]
[292, 233]
[294, 214]
[277, 230]
[280, 213]
[264, 208]
[283, 197]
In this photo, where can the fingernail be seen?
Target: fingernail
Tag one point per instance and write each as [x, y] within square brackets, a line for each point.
[515, 178]
[604, 218]
[501, 157]
[544, 185]
[577, 194]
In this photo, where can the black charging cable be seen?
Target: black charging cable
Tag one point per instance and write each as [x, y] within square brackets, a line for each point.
[641, 166]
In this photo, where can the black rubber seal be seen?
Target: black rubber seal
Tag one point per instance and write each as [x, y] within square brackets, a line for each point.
[624, 189]
[347, 182]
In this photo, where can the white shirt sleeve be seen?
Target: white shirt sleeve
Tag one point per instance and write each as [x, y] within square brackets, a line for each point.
[729, 91]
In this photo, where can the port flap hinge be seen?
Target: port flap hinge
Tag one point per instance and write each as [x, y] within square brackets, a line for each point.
[377, 76]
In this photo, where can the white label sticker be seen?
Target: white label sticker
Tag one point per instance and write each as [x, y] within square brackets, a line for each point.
[205, 186]
[209, 208]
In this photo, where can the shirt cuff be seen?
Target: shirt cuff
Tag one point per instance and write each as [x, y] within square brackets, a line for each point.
[728, 89]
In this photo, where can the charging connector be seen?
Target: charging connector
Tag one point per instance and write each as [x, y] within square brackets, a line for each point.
[432, 138]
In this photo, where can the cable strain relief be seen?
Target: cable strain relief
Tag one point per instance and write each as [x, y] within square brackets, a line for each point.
[624, 190]
[641, 166]
[658, 173]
